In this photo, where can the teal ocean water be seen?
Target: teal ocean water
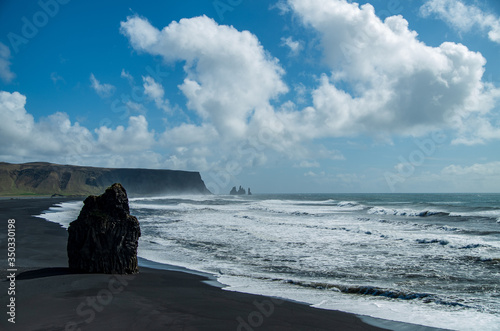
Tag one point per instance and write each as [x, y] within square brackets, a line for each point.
[430, 259]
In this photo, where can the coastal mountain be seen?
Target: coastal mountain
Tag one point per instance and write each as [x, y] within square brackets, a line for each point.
[42, 178]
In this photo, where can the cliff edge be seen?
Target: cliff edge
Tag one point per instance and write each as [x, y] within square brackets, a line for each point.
[41, 178]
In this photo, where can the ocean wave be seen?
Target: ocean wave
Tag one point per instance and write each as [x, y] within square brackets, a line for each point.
[381, 292]
[305, 209]
[349, 289]
[494, 214]
[406, 212]
[470, 246]
[62, 213]
[442, 242]
[187, 197]
[347, 204]
[492, 261]
[135, 205]
[181, 207]
[325, 202]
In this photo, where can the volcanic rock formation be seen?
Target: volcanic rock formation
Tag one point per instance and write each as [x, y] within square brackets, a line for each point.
[104, 237]
[240, 191]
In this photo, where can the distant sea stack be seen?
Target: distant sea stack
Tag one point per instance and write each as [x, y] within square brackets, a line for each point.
[41, 178]
[104, 237]
[240, 191]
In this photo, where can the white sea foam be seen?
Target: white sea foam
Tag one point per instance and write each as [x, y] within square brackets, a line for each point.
[179, 207]
[326, 202]
[187, 197]
[347, 204]
[404, 212]
[306, 207]
[482, 213]
[63, 213]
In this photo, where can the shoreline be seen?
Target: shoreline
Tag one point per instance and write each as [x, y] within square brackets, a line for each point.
[49, 296]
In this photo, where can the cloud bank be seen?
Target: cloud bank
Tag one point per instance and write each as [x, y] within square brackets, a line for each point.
[69, 143]
[398, 84]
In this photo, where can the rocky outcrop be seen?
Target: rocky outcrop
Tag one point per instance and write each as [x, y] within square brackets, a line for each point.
[104, 237]
[49, 179]
[240, 191]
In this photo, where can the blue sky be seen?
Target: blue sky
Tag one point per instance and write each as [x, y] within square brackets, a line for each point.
[283, 96]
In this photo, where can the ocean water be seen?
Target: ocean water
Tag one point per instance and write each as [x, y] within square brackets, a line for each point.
[428, 259]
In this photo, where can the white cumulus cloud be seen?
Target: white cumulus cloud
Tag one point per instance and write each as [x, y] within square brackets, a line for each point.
[307, 164]
[155, 92]
[229, 75]
[294, 46]
[56, 139]
[463, 17]
[396, 83]
[103, 90]
[480, 170]
[126, 75]
[24, 137]
[122, 140]
[5, 73]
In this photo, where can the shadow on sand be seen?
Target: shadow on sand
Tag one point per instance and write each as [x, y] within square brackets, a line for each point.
[45, 272]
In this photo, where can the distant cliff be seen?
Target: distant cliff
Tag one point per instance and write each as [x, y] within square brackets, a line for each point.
[48, 179]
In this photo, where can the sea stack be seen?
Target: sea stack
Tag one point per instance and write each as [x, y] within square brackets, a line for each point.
[104, 237]
[240, 191]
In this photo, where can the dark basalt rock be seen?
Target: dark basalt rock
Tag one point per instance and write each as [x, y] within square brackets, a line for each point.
[104, 237]
[240, 191]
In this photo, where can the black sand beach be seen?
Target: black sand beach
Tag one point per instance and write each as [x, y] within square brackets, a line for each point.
[48, 297]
